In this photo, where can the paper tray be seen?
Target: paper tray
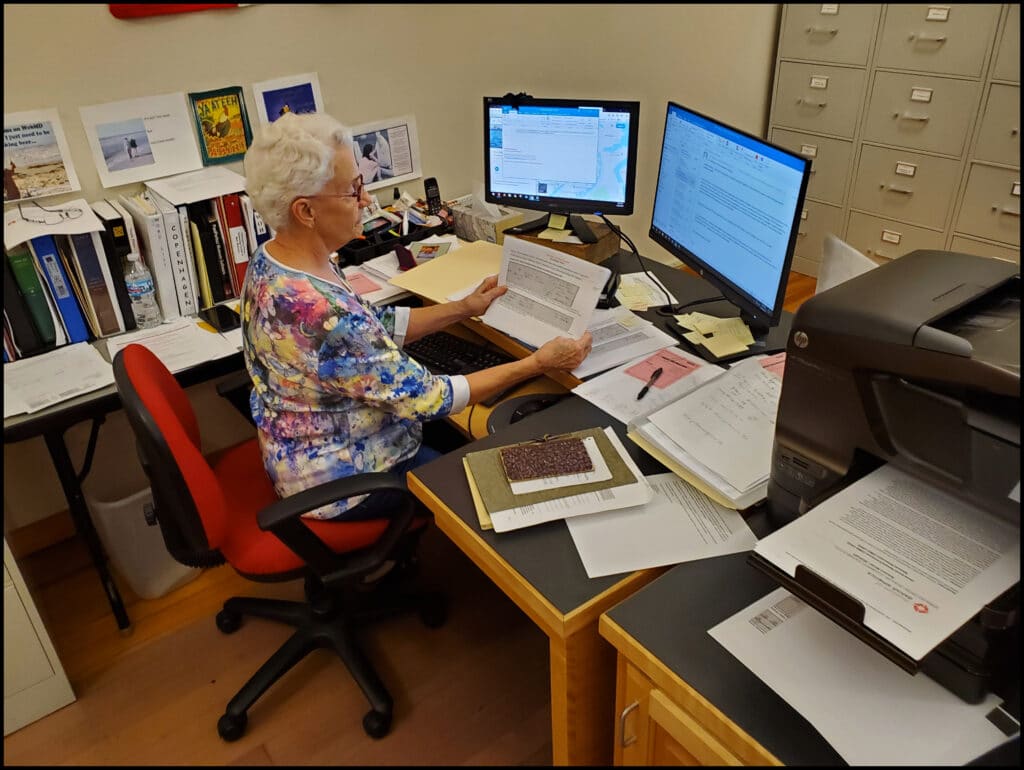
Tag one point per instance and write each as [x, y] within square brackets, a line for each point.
[964, 673]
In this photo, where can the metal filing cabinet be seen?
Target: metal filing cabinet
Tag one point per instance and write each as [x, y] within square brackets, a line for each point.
[910, 114]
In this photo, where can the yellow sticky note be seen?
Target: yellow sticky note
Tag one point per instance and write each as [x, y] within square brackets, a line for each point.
[735, 329]
[724, 345]
[206, 327]
[556, 221]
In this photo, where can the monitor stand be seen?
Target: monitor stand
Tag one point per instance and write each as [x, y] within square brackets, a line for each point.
[767, 340]
[579, 226]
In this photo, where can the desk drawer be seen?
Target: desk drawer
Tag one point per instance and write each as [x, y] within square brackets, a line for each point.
[923, 113]
[904, 185]
[882, 239]
[830, 162]
[819, 98]
[991, 205]
[999, 138]
[945, 39]
[833, 32]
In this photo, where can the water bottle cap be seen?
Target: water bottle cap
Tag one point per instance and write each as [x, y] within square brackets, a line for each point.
[132, 256]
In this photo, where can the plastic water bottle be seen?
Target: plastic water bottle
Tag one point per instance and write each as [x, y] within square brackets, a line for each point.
[142, 294]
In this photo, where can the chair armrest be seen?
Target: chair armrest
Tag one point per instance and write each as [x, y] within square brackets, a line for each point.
[284, 519]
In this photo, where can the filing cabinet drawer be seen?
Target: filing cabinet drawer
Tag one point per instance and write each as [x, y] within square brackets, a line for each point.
[999, 137]
[1007, 66]
[970, 246]
[921, 112]
[991, 205]
[905, 185]
[817, 220]
[830, 162]
[813, 31]
[915, 37]
[882, 239]
[818, 98]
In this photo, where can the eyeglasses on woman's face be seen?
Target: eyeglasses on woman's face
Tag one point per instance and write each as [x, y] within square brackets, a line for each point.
[357, 191]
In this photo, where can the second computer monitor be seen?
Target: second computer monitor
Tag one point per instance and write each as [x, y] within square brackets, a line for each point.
[728, 205]
[561, 156]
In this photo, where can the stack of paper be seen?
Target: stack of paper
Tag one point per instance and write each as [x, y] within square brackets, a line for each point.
[721, 336]
[41, 381]
[503, 505]
[620, 335]
[719, 437]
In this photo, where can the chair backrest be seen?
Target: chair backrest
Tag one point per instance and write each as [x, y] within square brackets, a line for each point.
[189, 500]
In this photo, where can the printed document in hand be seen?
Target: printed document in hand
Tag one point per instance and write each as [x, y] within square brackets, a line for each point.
[729, 424]
[550, 293]
[619, 336]
[615, 392]
[41, 381]
[921, 561]
[872, 712]
[678, 524]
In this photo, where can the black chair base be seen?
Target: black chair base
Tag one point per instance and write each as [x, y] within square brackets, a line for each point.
[326, 620]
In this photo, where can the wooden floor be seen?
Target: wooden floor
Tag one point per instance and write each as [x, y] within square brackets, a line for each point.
[474, 692]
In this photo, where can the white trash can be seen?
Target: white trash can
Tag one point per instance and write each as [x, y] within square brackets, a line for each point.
[136, 549]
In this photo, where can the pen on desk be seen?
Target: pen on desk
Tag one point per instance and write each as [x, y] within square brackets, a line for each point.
[653, 379]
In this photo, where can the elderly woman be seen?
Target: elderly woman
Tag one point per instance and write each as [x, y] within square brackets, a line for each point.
[334, 395]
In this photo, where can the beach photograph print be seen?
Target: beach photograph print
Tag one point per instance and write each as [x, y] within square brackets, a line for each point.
[36, 158]
[124, 144]
[222, 124]
[298, 93]
[161, 129]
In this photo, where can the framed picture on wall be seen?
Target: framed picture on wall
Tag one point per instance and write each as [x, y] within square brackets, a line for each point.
[296, 93]
[387, 151]
[222, 124]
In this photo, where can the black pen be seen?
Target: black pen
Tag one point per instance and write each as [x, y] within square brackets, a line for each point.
[653, 379]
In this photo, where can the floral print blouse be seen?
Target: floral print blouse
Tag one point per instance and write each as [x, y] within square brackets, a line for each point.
[333, 395]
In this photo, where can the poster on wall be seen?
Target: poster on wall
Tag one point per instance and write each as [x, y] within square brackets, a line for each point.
[387, 152]
[140, 139]
[222, 124]
[36, 158]
[297, 93]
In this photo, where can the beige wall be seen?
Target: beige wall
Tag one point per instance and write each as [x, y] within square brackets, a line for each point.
[373, 62]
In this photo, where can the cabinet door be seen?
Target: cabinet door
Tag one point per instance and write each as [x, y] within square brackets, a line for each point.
[904, 185]
[944, 39]
[676, 738]
[999, 138]
[839, 33]
[818, 98]
[920, 112]
[1008, 54]
[991, 205]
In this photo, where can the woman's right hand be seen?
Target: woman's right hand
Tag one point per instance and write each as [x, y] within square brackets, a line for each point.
[563, 353]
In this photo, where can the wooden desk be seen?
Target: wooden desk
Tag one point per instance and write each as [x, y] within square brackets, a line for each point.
[540, 570]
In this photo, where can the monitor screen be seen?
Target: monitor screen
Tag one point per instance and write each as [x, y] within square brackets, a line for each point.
[728, 205]
[572, 156]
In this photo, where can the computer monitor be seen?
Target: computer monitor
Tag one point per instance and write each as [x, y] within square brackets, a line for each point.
[561, 156]
[728, 205]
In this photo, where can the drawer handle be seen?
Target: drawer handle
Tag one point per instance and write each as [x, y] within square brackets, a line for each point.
[822, 31]
[801, 233]
[928, 38]
[895, 189]
[879, 254]
[908, 116]
[809, 103]
[623, 740]
[1009, 212]
[1014, 132]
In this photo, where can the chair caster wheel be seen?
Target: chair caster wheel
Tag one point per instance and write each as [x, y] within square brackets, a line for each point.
[230, 728]
[229, 622]
[434, 611]
[376, 723]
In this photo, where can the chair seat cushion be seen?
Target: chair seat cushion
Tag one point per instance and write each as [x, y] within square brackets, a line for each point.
[247, 490]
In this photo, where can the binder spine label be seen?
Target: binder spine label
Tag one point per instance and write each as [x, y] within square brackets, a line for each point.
[60, 288]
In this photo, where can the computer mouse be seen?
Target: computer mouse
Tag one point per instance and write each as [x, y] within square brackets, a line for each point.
[535, 405]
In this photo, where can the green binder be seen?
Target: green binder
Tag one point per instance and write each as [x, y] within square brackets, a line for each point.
[25, 275]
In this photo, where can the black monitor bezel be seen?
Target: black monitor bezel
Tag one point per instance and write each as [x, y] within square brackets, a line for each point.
[568, 205]
[750, 309]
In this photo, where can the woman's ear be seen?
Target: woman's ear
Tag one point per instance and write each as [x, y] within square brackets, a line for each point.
[302, 212]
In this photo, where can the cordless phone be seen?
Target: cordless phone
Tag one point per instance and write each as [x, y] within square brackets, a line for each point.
[433, 194]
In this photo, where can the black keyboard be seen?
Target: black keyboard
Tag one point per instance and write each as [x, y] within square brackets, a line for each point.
[446, 353]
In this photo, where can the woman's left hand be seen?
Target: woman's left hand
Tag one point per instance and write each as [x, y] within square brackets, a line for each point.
[476, 304]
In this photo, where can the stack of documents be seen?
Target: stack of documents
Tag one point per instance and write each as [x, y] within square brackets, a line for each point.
[502, 504]
[620, 335]
[179, 344]
[719, 437]
[41, 381]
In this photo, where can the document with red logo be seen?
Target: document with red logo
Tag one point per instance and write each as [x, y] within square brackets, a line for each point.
[921, 561]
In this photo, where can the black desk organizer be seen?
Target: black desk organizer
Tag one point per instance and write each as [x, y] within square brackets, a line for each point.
[381, 241]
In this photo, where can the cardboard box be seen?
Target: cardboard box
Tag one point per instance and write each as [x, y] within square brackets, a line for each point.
[607, 244]
[474, 223]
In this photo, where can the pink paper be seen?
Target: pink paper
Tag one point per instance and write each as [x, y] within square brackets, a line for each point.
[361, 283]
[775, 364]
[674, 367]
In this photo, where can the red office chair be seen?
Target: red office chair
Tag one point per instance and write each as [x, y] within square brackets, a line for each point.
[224, 509]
